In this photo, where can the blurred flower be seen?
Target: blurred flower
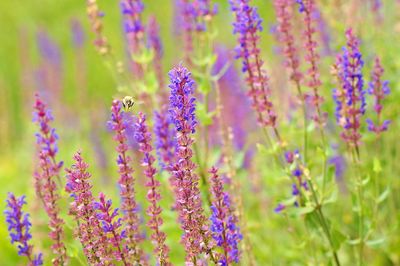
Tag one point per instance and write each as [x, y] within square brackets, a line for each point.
[78, 35]
[127, 182]
[247, 25]
[224, 227]
[143, 137]
[92, 238]
[350, 96]
[196, 235]
[339, 163]
[379, 89]
[18, 227]
[312, 57]
[96, 23]
[165, 139]
[285, 36]
[155, 43]
[134, 31]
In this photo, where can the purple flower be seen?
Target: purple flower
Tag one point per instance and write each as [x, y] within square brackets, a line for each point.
[339, 163]
[223, 222]
[164, 139]
[112, 227]
[45, 175]
[196, 236]
[19, 226]
[248, 25]
[279, 208]
[48, 49]
[78, 35]
[302, 7]
[90, 235]
[155, 43]
[350, 96]
[143, 137]
[285, 36]
[127, 182]
[182, 102]
[379, 89]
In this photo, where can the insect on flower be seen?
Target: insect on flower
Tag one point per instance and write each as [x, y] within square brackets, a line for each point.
[128, 103]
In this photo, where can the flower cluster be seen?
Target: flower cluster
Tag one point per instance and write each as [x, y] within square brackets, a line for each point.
[47, 136]
[224, 227]
[134, 29]
[247, 26]
[143, 137]
[111, 225]
[164, 139]
[203, 11]
[89, 232]
[45, 185]
[126, 181]
[95, 16]
[350, 96]
[296, 172]
[379, 89]
[312, 57]
[154, 42]
[284, 15]
[196, 236]
[18, 227]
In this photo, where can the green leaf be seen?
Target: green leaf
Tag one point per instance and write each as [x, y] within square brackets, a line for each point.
[205, 118]
[354, 241]
[375, 242]
[312, 221]
[144, 58]
[383, 196]
[377, 168]
[337, 239]
[365, 181]
[301, 210]
[204, 86]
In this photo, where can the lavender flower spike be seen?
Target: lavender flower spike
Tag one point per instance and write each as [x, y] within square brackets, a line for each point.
[379, 89]
[111, 226]
[92, 238]
[18, 227]
[224, 227]
[196, 235]
[350, 96]
[46, 187]
[126, 181]
[143, 137]
[247, 26]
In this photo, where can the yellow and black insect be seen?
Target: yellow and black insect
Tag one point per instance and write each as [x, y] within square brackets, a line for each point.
[128, 103]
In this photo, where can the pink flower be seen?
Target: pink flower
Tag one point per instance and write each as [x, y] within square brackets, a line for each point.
[143, 137]
[126, 182]
[89, 232]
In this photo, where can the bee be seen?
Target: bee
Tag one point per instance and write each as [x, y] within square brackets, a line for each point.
[127, 103]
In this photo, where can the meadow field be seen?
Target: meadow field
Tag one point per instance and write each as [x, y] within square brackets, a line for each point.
[200, 132]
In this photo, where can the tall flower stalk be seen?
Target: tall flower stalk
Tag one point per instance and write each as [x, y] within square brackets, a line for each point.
[196, 235]
[378, 89]
[89, 231]
[19, 229]
[111, 225]
[47, 172]
[248, 25]
[224, 227]
[350, 101]
[143, 137]
[126, 182]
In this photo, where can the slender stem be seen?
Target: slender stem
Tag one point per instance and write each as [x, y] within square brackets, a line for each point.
[323, 222]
